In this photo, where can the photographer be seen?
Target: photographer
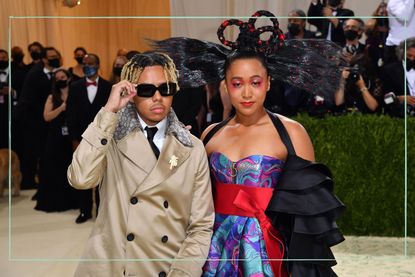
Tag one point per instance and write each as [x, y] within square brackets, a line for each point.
[393, 77]
[353, 30]
[330, 28]
[360, 88]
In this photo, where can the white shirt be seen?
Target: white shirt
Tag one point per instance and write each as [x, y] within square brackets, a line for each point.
[402, 10]
[92, 90]
[410, 79]
[330, 26]
[4, 77]
[47, 71]
[160, 136]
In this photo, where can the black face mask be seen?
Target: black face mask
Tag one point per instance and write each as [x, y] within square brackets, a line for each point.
[60, 84]
[55, 63]
[334, 3]
[35, 55]
[294, 29]
[18, 58]
[79, 59]
[410, 64]
[4, 64]
[117, 71]
[351, 35]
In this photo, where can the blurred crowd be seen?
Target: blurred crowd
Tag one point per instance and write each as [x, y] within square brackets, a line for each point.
[52, 106]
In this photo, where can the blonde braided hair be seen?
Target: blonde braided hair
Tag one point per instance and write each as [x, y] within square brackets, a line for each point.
[132, 70]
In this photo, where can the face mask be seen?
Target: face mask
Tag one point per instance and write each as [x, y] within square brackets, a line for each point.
[55, 63]
[410, 64]
[351, 35]
[60, 84]
[79, 59]
[117, 71]
[294, 29]
[334, 3]
[4, 64]
[89, 71]
[35, 55]
[18, 58]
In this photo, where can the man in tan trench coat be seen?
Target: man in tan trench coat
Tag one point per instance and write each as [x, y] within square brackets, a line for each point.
[156, 214]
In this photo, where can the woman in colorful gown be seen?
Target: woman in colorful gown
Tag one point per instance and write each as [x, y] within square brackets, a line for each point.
[273, 203]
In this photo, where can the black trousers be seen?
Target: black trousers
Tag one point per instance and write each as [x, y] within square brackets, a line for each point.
[86, 200]
[33, 137]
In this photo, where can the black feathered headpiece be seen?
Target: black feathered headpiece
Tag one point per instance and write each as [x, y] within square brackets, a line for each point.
[310, 64]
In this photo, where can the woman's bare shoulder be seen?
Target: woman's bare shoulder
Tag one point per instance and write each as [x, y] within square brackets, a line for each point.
[207, 130]
[299, 137]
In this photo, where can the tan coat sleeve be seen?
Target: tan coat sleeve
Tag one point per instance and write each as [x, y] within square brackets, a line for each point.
[89, 160]
[192, 255]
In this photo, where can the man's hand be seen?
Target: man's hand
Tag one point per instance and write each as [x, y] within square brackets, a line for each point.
[121, 94]
[4, 90]
[410, 100]
[327, 11]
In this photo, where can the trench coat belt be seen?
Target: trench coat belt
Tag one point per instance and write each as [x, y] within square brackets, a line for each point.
[240, 200]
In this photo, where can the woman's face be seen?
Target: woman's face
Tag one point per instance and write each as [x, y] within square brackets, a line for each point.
[60, 75]
[247, 83]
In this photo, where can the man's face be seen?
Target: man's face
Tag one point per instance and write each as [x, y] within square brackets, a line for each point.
[35, 48]
[410, 53]
[90, 60]
[353, 25]
[50, 56]
[3, 56]
[298, 21]
[155, 108]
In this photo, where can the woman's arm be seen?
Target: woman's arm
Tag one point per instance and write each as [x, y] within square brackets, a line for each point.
[370, 101]
[339, 94]
[49, 113]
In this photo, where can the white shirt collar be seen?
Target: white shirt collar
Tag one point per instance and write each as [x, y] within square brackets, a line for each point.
[47, 71]
[89, 80]
[6, 70]
[161, 127]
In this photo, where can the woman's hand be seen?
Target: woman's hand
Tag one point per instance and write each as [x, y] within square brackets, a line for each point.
[63, 106]
[121, 94]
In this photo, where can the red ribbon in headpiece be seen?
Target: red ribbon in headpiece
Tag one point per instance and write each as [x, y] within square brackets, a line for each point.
[240, 200]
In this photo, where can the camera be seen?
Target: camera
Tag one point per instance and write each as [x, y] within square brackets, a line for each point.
[395, 108]
[354, 74]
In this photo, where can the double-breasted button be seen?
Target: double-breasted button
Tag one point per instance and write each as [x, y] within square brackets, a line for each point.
[166, 204]
[162, 274]
[133, 200]
[164, 239]
[130, 237]
[104, 141]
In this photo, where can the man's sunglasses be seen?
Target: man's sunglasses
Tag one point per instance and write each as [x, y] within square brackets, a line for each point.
[148, 90]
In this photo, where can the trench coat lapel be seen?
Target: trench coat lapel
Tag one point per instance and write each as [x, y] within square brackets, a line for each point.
[161, 171]
[136, 148]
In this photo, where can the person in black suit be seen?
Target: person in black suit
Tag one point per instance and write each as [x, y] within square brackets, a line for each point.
[35, 50]
[393, 78]
[296, 26]
[331, 28]
[86, 97]
[4, 95]
[29, 113]
[187, 104]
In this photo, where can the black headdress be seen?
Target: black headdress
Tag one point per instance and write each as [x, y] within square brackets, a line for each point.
[310, 64]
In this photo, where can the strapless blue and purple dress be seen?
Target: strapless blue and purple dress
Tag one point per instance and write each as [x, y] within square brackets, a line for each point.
[238, 247]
